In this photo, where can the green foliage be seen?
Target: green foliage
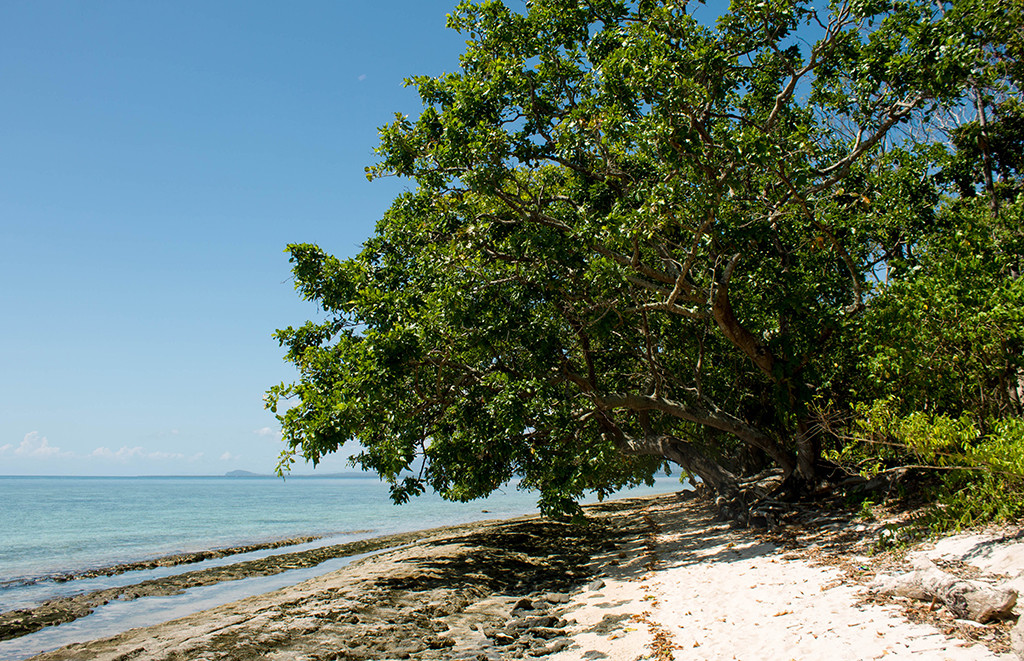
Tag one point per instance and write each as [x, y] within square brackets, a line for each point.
[867, 512]
[982, 474]
[633, 238]
[948, 335]
[1000, 142]
[993, 493]
[883, 437]
[942, 351]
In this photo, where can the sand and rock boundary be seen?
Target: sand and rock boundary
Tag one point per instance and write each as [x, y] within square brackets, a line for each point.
[650, 578]
[187, 558]
[16, 623]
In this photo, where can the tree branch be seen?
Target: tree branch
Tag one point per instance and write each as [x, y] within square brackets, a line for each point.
[736, 332]
[708, 417]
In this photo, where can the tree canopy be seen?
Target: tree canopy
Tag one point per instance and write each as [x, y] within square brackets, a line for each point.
[633, 238]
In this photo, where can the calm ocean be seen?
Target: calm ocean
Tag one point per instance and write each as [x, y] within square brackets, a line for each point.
[52, 525]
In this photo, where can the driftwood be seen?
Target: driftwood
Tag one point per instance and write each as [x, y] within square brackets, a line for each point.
[971, 600]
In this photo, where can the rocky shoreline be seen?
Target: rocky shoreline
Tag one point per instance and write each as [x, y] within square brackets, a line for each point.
[188, 558]
[500, 582]
[657, 577]
[21, 622]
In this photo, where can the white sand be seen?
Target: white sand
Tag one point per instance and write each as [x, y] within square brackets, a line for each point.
[722, 594]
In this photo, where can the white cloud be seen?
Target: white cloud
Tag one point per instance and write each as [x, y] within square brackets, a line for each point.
[164, 455]
[266, 431]
[227, 456]
[122, 455]
[4, 449]
[36, 445]
[137, 452]
[361, 77]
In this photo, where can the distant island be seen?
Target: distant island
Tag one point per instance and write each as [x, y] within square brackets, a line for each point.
[241, 473]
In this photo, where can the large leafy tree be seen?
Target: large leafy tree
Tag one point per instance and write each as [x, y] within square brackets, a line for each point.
[631, 238]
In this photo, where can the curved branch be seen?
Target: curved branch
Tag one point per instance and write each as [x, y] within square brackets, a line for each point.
[709, 417]
[838, 170]
[680, 452]
[736, 332]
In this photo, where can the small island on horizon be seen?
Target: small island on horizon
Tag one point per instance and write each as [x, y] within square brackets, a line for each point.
[245, 474]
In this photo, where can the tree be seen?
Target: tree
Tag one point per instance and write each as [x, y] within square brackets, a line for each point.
[633, 238]
[944, 334]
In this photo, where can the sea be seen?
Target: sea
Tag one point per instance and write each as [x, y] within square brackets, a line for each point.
[51, 526]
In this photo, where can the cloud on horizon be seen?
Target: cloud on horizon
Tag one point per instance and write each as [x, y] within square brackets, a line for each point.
[35, 454]
[137, 452]
[36, 445]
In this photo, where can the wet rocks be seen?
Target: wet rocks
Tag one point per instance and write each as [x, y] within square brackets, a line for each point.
[523, 604]
[533, 630]
[14, 624]
[21, 622]
[484, 591]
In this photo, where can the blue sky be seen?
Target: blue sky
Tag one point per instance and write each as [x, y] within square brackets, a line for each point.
[155, 159]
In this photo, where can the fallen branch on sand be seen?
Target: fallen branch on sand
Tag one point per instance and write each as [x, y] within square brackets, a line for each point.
[972, 600]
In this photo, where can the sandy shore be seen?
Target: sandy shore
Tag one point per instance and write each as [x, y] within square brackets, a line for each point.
[655, 578]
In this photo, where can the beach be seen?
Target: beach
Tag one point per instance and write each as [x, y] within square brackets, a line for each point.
[656, 577]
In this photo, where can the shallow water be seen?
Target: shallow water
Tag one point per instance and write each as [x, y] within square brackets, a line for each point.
[54, 525]
[58, 524]
[119, 616]
[29, 594]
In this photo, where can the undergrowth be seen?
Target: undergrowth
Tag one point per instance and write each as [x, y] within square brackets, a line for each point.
[974, 472]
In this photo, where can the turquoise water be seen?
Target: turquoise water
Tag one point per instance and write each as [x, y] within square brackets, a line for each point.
[59, 524]
[52, 525]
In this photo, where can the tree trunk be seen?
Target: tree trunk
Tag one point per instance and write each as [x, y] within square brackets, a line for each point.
[736, 332]
[719, 479]
[808, 453]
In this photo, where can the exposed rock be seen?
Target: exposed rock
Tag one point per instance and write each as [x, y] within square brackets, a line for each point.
[66, 609]
[610, 623]
[551, 648]
[406, 649]
[183, 558]
[530, 622]
[501, 638]
[523, 604]
[446, 597]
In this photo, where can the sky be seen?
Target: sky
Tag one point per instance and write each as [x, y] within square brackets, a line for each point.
[155, 161]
